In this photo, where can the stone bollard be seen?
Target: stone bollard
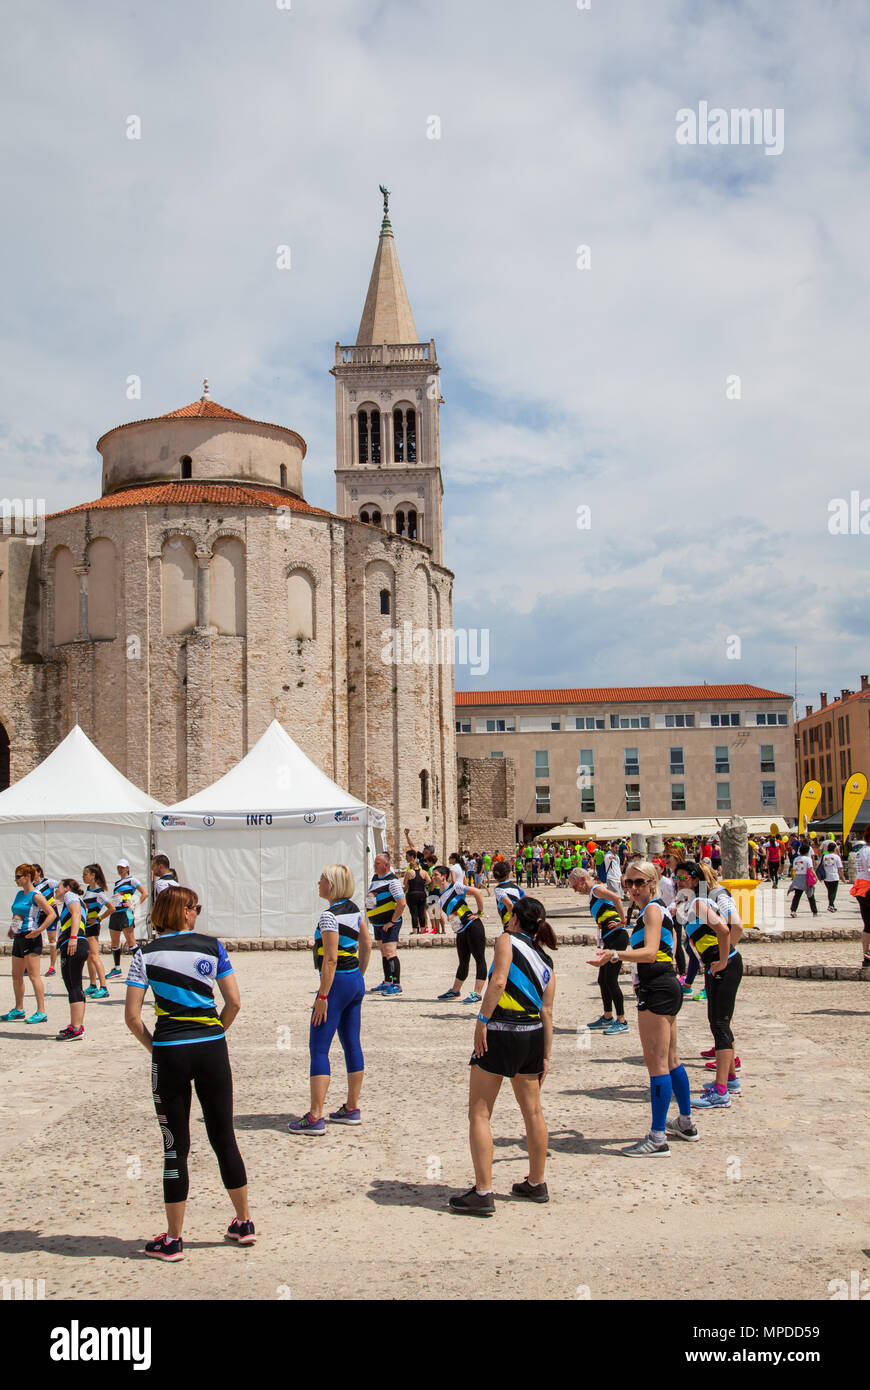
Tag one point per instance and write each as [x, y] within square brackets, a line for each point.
[639, 844]
[734, 840]
[654, 845]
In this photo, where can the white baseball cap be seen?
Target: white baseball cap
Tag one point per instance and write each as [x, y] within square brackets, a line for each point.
[123, 863]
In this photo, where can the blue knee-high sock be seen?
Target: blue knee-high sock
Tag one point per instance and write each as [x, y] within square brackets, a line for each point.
[660, 1090]
[682, 1090]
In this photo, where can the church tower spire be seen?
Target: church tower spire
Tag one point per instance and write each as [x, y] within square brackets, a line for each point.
[388, 400]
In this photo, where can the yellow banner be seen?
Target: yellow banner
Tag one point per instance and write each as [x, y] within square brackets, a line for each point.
[854, 793]
[811, 795]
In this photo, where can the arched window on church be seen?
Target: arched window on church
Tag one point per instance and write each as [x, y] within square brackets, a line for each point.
[283, 475]
[227, 587]
[363, 428]
[411, 436]
[375, 438]
[424, 790]
[398, 436]
[66, 597]
[364, 516]
[102, 586]
[400, 523]
[412, 525]
[376, 517]
[300, 604]
[186, 466]
[178, 585]
[385, 600]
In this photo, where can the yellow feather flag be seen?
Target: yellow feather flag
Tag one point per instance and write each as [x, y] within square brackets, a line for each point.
[811, 795]
[854, 793]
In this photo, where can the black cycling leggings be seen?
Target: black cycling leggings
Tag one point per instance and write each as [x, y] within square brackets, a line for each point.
[174, 1070]
[608, 983]
[472, 942]
[71, 968]
[417, 908]
[864, 908]
[721, 995]
[811, 899]
[832, 884]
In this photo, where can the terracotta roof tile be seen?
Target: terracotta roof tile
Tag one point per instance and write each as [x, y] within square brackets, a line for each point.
[181, 494]
[614, 694]
[205, 407]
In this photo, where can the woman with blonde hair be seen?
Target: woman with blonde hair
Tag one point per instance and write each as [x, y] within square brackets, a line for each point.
[342, 947]
[188, 1049]
[659, 1000]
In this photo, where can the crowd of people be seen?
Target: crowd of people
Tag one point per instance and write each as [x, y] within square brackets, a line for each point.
[665, 918]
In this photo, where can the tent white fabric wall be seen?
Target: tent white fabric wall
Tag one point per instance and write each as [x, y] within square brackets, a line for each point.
[74, 809]
[253, 845]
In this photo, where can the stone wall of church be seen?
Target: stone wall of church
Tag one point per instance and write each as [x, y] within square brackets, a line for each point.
[487, 803]
[174, 705]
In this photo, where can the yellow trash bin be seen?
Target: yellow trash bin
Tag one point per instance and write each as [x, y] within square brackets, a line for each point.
[742, 891]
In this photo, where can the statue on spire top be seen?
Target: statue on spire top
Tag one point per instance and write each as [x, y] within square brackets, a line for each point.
[386, 193]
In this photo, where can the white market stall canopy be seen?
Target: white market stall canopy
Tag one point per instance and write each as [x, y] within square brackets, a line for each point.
[566, 831]
[615, 829]
[253, 844]
[76, 808]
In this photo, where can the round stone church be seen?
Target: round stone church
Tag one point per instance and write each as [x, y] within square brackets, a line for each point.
[200, 596]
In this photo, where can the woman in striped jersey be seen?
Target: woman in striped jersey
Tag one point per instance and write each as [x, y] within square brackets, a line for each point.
[188, 1049]
[98, 905]
[605, 908]
[659, 1000]
[342, 947]
[72, 945]
[121, 919]
[30, 912]
[470, 934]
[513, 1038]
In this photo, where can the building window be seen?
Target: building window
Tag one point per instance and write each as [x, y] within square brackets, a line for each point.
[632, 762]
[555, 725]
[362, 421]
[827, 735]
[843, 772]
[283, 475]
[587, 761]
[542, 801]
[398, 437]
[400, 523]
[375, 437]
[631, 721]
[542, 763]
[768, 795]
[500, 726]
[768, 761]
[376, 517]
[186, 466]
[411, 435]
[498, 754]
[767, 718]
[723, 796]
[827, 763]
[424, 790]
[679, 721]
[782, 719]
[587, 800]
[678, 766]
[632, 796]
[463, 726]
[722, 757]
[588, 721]
[678, 796]
[364, 516]
[805, 742]
[385, 600]
[412, 526]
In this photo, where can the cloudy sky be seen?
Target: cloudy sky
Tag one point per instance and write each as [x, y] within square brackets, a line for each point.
[605, 387]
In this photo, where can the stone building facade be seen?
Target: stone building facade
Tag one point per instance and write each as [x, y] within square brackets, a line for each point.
[200, 596]
[486, 789]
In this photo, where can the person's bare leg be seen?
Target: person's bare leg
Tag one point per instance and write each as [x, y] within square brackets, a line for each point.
[354, 1089]
[18, 980]
[482, 1091]
[32, 965]
[319, 1087]
[175, 1217]
[239, 1198]
[528, 1093]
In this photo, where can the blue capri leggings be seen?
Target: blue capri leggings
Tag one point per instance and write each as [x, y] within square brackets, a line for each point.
[342, 1017]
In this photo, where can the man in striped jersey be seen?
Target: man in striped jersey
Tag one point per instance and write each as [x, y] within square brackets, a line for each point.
[385, 903]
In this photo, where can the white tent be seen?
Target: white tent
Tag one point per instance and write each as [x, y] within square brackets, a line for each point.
[253, 844]
[75, 808]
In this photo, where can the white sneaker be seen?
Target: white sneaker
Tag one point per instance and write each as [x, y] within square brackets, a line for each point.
[675, 1128]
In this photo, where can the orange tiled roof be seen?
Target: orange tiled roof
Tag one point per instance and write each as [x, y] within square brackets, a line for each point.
[612, 694]
[203, 408]
[834, 704]
[180, 494]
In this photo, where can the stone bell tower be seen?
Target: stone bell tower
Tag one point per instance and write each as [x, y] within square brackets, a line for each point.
[387, 404]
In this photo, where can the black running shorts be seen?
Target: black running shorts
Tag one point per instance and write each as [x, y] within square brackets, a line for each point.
[512, 1052]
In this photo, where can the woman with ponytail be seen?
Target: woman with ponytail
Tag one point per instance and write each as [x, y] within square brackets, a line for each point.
[513, 1038]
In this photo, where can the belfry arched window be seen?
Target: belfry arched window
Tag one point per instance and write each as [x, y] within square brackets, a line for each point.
[376, 517]
[412, 525]
[400, 523]
[398, 436]
[411, 436]
[375, 437]
[363, 428]
[364, 516]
